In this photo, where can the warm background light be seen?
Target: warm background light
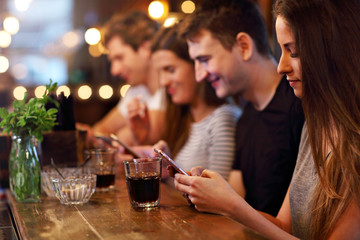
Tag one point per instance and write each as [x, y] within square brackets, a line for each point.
[188, 6]
[106, 91]
[84, 92]
[4, 64]
[71, 39]
[22, 5]
[19, 92]
[124, 89]
[5, 39]
[156, 9]
[170, 21]
[64, 89]
[39, 91]
[11, 25]
[94, 50]
[92, 36]
[19, 71]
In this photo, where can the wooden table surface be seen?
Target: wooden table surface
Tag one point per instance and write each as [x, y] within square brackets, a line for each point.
[110, 216]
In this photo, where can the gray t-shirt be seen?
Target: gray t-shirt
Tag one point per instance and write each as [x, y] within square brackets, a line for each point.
[301, 189]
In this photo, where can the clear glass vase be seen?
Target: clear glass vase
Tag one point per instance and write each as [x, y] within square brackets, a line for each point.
[24, 169]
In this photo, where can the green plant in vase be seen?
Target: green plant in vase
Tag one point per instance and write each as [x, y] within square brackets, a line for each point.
[26, 124]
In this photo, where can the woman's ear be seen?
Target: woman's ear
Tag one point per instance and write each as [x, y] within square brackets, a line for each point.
[245, 45]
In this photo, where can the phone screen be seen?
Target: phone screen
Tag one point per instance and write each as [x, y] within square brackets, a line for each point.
[170, 161]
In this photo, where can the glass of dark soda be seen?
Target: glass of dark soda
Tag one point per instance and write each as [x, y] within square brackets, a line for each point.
[102, 163]
[143, 177]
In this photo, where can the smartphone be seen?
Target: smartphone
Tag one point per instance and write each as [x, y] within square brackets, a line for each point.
[104, 138]
[170, 161]
[127, 148]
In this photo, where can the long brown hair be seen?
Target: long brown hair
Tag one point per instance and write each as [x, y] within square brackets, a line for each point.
[327, 35]
[178, 117]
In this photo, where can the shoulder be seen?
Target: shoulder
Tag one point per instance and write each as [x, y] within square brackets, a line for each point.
[138, 90]
[227, 111]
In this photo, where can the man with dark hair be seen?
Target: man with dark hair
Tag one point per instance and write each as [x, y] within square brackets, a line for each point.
[127, 39]
[228, 42]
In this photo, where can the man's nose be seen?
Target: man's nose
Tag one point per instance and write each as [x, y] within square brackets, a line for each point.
[116, 69]
[200, 72]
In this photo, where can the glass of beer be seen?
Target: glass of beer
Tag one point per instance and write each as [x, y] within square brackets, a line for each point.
[143, 177]
[102, 163]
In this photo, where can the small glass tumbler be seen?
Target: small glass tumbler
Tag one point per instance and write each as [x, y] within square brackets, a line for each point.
[102, 163]
[74, 189]
[143, 177]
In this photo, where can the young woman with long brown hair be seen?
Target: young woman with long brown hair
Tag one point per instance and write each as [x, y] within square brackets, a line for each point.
[320, 42]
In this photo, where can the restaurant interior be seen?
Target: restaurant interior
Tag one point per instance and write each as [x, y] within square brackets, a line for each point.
[60, 40]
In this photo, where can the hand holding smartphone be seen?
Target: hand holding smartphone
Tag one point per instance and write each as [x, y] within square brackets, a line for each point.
[170, 161]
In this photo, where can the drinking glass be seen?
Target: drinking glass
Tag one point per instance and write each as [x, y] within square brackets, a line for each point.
[143, 177]
[102, 163]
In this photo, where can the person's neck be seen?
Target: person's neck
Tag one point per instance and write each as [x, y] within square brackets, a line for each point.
[152, 81]
[200, 110]
[263, 84]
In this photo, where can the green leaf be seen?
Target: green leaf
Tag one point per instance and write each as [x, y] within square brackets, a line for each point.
[31, 117]
[3, 113]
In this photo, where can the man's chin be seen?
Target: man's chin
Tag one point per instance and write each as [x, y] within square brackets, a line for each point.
[220, 93]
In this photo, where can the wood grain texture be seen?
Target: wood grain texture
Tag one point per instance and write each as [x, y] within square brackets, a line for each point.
[109, 216]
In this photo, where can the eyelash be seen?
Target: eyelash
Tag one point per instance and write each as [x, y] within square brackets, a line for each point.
[294, 55]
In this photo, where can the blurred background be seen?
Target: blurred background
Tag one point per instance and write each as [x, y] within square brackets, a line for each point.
[60, 40]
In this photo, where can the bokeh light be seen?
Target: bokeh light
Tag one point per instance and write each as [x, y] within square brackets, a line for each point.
[4, 64]
[124, 89]
[71, 39]
[94, 50]
[22, 5]
[106, 91]
[92, 36]
[188, 6]
[19, 92]
[11, 25]
[64, 89]
[84, 92]
[39, 91]
[19, 71]
[156, 9]
[5, 39]
[170, 21]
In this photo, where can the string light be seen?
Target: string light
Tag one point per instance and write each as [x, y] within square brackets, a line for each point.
[84, 92]
[4, 64]
[106, 91]
[39, 91]
[5, 39]
[11, 25]
[188, 6]
[19, 92]
[92, 36]
[64, 89]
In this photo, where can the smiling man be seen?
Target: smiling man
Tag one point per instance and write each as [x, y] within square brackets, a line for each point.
[127, 39]
[228, 42]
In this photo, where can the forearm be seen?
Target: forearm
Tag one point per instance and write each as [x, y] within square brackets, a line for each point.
[265, 224]
[111, 123]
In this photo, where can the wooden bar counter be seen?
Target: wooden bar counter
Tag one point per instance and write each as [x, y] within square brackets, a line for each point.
[109, 216]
